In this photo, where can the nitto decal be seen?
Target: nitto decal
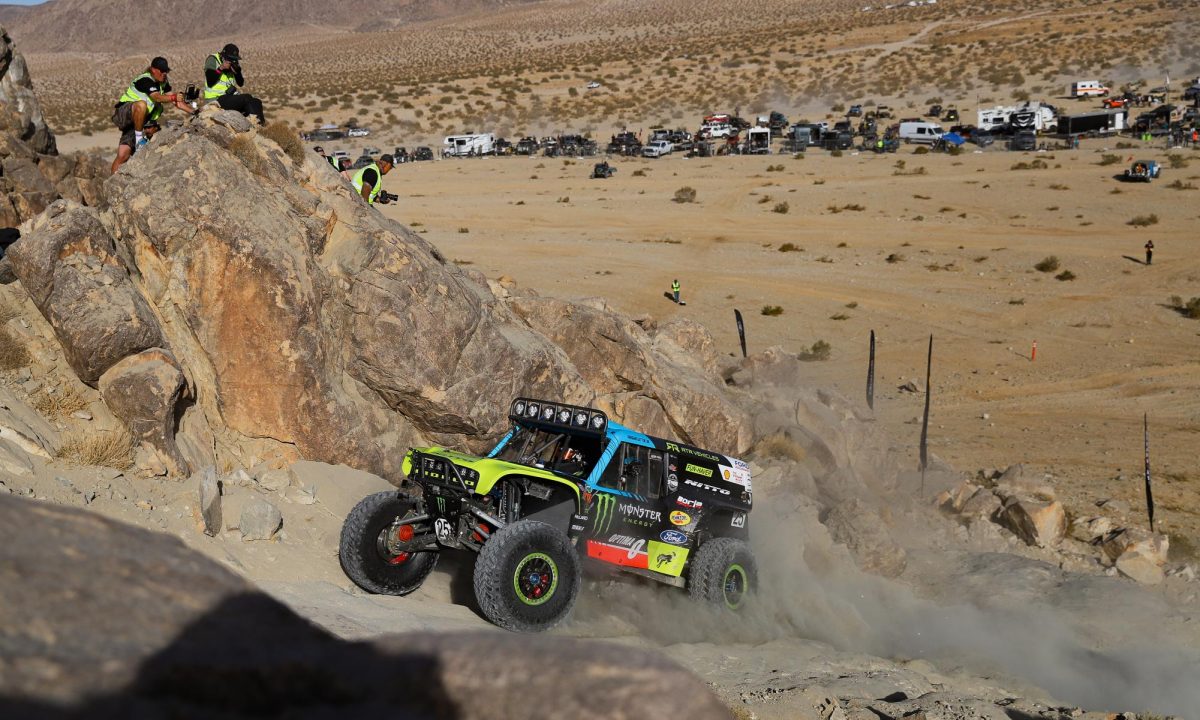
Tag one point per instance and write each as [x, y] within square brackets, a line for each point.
[679, 517]
[697, 470]
[705, 486]
[688, 503]
[604, 512]
[738, 521]
[638, 512]
[673, 537]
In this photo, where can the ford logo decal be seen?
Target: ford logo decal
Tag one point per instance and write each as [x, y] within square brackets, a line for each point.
[673, 537]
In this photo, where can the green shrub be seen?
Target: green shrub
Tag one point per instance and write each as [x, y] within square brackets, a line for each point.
[772, 310]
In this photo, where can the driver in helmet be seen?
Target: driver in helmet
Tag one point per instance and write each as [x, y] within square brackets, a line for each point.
[572, 462]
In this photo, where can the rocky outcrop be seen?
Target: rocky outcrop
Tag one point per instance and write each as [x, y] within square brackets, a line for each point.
[32, 173]
[154, 629]
[143, 391]
[16, 92]
[862, 530]
[308, 325]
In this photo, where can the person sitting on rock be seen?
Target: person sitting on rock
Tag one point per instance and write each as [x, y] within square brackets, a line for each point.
[143, 101]
[223, 77]
[368, 182]
[128, 145]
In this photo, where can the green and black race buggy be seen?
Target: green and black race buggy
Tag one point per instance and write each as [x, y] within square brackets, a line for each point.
[565, 482]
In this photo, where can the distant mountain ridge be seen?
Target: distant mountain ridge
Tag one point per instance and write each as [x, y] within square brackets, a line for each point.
[116, 25]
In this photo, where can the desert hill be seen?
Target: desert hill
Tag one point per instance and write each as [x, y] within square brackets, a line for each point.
[100, 25]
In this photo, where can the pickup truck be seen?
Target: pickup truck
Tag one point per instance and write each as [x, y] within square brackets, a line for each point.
[657, 148]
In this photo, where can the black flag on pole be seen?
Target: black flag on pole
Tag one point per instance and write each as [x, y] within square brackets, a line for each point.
[925, 418]
[1149, 494]
[737, 314]
[871, 374]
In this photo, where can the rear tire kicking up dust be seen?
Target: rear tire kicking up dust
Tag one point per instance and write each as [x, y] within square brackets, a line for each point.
[724, 573]
[364, 547]
[527, 577]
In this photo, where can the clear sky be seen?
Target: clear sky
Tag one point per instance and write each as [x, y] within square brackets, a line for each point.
[21, 2]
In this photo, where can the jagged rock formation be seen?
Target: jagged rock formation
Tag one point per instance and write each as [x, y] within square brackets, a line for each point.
[205, 643]
[32, 173]
[307, 324]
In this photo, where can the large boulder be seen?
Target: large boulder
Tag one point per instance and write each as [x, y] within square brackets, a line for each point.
[143, 391]
[1042, 524]
[308, 325]
[863, 531]
[153, 629]
[69, 264]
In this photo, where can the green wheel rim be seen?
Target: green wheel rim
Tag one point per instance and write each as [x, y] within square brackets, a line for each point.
[734, 586]
[535, 579]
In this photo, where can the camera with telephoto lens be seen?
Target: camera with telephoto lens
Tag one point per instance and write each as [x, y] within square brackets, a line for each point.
[386, 197]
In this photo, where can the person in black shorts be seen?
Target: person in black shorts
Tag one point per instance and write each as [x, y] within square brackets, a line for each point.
[142, 102]
[223, 77]
[128, 144]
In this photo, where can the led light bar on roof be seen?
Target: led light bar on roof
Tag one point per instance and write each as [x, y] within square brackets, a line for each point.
[550, 413]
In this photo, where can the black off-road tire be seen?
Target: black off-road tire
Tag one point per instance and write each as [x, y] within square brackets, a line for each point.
[366, 563]
[527, 577]
[724, 573]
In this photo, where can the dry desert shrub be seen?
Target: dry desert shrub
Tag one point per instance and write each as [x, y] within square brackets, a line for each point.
[243, 149]
[1143, 220]
[287, 139]
[781, 447]
[820, 350]
[1048, 264]
[13, 355]
[107, 449]
[685, 194]
[1065, 276]
[772, 310]
[59, 404]
[781, 208]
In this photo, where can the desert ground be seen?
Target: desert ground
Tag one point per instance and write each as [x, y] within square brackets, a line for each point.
[816, 251]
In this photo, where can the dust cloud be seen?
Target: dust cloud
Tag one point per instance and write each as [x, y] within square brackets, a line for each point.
[810, 589]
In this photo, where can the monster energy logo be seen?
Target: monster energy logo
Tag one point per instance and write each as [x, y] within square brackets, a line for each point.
[605, 504]
[441, 504]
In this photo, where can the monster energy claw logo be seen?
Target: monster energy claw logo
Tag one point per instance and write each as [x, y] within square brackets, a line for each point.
[604, 513]
[441, 503]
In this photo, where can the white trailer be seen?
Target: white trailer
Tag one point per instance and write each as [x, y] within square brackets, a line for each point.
[469, 145]
[1037, 116]
[1088, 88]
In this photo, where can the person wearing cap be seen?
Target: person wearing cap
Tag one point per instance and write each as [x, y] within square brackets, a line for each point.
[369, 181]
[223, 77]
[129, 144]
[328, 158]
[143, 101]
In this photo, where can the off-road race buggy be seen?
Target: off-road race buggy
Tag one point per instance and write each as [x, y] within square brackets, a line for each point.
[1142, 171]
[565, 483]
[602, 171]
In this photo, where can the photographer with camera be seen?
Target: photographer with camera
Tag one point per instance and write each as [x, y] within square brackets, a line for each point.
[223, 77]
[142, 102]
[368, 182]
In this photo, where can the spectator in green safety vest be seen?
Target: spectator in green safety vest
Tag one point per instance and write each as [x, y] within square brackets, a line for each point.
[223, 77]
[143, 101]
[675, 290]
[368, 182]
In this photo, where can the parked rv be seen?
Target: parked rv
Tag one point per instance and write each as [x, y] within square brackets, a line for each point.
[469, 145]
[920, 132]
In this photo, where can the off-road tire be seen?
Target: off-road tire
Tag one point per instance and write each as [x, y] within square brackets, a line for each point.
[511, 582]
[362, 560]
[723, 572]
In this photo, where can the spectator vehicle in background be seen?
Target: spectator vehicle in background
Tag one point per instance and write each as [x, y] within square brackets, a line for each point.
[657, 148]
[422, 153]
